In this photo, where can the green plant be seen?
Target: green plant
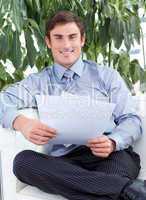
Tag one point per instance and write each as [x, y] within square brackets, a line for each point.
[109, 25]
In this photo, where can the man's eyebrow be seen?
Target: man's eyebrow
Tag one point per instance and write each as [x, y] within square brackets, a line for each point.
[73, 34]
[57, 35]
[60, 35]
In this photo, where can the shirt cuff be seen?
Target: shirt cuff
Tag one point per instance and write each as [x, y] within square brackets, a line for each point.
[8, 119]
[118, 140]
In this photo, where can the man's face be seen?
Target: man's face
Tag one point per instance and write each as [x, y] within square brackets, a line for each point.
[65, 43]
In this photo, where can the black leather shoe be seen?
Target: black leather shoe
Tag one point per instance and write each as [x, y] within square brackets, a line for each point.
[135, 191]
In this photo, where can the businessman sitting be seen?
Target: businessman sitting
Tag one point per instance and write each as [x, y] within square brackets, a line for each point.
[106, 168]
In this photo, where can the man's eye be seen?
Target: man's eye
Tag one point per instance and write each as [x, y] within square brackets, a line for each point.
[73, 37]
[58, 38]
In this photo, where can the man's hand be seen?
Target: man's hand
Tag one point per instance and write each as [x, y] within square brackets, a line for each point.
[33, 130]
[102, 146]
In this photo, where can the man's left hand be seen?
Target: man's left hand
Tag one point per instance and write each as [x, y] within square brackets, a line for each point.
[101, 146]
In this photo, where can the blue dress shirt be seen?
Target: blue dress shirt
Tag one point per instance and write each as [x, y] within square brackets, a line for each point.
[98, 82]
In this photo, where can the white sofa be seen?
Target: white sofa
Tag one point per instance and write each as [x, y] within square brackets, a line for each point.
[12, 142]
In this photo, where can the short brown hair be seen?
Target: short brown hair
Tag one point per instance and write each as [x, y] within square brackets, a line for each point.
[64, 17]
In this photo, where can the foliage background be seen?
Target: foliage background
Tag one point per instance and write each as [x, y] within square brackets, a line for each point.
[110, 24]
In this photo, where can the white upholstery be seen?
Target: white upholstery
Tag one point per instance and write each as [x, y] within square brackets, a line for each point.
[12, 142]
[140, 146]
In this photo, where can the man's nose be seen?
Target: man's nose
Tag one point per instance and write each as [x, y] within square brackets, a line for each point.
[66, 43]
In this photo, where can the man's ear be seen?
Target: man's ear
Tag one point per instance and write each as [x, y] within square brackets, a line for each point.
[48, 43]
[83, 38]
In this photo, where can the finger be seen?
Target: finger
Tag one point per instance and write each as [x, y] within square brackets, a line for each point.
[98, 140]
[101, 150]
[40, 138]
[38, 142]
[103, 155]
[106, 144]
[47, 128]
[48, 131]
[43, 133]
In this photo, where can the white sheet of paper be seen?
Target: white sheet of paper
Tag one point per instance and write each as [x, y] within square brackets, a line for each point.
[76, 118]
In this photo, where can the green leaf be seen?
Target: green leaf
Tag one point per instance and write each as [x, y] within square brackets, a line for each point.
[108, 11]
[16, 15]
[3, 73]
[5, 77]
[16, 54]
[80, 7]
[3, 46]
[143, 80]
[127, 40]
[29, 3]
[38, 34]
[115, 58]
[135, 27]
[25, 62]
[104, 33]
[116, 33]
[36, 4]
[2, 20]
[18, 75]
[89, 19]
[123, 64]
[31, 51]
[134, 69]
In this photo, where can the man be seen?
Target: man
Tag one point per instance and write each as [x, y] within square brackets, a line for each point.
[106, 167]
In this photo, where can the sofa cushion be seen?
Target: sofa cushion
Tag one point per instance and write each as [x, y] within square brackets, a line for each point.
[33, 193]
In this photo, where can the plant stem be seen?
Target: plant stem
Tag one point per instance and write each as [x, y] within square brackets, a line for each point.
[143, 48]
[109, 53]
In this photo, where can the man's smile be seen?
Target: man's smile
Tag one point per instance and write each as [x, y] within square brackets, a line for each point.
[66, 52]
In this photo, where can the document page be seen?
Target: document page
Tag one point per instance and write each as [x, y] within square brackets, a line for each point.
[76, 118]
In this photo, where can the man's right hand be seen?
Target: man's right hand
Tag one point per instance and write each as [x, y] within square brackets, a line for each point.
[34, 130]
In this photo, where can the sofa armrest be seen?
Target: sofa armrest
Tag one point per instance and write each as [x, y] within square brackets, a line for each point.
[12, 142]
[7, 137]
[140, 145]
[8, 151]
[140, 149]
[8, 180]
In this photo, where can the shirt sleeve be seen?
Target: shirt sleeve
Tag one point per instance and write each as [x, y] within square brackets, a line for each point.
[128, 123]
[17, 96]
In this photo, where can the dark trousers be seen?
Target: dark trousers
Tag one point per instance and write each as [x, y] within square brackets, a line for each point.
[78, 175]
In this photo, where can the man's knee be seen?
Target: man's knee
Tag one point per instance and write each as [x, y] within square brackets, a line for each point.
[28, 161]
[20, 160]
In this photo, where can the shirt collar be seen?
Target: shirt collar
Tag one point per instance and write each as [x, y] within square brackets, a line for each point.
[77, 67]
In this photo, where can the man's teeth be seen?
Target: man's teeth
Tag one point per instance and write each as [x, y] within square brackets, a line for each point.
[67, 51]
